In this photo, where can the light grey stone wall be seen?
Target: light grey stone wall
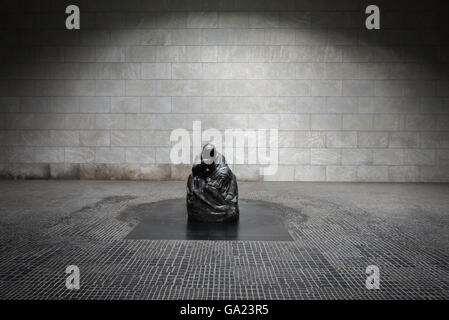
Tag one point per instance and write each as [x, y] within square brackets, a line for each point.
[100, 103]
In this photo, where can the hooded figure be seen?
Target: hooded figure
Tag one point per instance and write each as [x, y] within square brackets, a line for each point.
[212, 194]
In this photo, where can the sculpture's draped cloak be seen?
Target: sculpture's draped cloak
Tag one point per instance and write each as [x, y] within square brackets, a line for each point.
[212, 193]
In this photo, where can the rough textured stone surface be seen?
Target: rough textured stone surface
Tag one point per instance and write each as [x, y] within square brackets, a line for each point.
[106, 97]
[338, 229]
[65, 171]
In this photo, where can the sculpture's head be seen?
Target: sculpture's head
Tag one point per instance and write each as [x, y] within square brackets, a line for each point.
[209, 155]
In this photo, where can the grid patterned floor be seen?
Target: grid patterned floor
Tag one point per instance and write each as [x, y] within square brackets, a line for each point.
[333, 244]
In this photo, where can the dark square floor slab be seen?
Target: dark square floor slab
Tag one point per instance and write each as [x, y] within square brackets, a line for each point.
[167, 220]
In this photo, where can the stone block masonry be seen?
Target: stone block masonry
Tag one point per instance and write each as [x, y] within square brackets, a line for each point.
[350, 104]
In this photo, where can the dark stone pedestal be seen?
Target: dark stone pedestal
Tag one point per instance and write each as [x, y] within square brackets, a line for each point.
[167, 220]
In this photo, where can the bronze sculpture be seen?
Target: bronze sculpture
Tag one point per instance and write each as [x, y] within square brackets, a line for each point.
[212, 193]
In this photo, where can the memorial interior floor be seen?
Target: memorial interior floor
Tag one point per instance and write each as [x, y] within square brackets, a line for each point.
[318, 248]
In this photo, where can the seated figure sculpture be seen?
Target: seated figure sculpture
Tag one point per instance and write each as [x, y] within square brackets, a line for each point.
[212, 193]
